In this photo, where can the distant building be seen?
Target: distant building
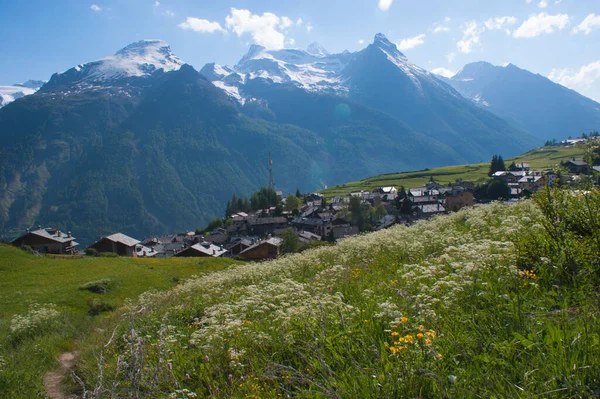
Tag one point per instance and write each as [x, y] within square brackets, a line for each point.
[456, 199]
[577, 167]
[48, 241]
[267, 249]
[121, 245]
[531, 183]
[204, 249]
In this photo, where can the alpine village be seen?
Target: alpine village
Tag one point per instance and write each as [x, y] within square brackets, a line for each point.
[394, 218]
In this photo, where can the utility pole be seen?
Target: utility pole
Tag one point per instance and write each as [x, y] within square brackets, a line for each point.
[271, 182]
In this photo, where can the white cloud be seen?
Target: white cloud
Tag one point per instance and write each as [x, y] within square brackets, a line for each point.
[361, 41]
[291, 41]
[385, 5]
[299, 22]
[540, 24]
[411, 42]
[471, 32]
[581, 79]
[451, 57]
[95, 8]
[447, 19]
[309, 27]
[263, 28]
[443, 72]
[201, 25]
[543, 4]
[156, 3]
[285, 23]
[590, 22]
[438, 28]
[499, 22]
[527, 1]
[169, 13]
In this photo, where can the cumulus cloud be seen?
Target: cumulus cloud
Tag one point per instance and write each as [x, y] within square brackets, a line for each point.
[264, 29]
[361, 41]
[268, 30]
[201, 25]
[385, 5]
[451, 57]
[540, 24]
[411, 42]
[499, 22]
[96, 8]
[443, 72]
[439, 28]
[577, 79]
[543, 4]
[471, 32]
[169, 13]
[156, 3]
[590, 22]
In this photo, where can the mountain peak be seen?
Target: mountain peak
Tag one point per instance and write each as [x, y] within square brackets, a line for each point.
[316, 49]
[382, 42]
[474, 70]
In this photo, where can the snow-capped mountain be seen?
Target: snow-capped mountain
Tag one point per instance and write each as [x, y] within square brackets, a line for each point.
[138, 60]
[313, 69]
[9, 94]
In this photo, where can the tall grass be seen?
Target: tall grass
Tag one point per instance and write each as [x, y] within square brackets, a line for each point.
[494, 301]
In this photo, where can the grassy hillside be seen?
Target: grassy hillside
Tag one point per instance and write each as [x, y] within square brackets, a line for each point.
[492, 301]
[541, 158]
[27, 280]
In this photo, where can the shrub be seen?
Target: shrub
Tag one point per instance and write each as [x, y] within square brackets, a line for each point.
[98, 306]
[35, 322]
[98, 286]
[91, 252]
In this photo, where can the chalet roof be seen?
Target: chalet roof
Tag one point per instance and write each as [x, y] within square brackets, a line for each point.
[123, 239]
[529, 179]
[432, 208]
[208, 249]
[596, 168]
[577, 162]
[308, 235]
[276, 241]
[52, 234]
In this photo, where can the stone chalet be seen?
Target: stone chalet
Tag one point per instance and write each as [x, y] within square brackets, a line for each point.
[48, 241]
[121, 245]
[267, 249]
[458, 199]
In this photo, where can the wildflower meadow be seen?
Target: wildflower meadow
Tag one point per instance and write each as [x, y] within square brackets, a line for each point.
[493, 301]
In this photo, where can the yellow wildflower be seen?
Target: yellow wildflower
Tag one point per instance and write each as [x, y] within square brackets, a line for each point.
[394, 334]
[420, 335]
[404, 319]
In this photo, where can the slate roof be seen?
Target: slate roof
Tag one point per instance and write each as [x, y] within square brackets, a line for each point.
[123, 239]
[268, 220]
[577, 163]
[432, 209]
[54, 235]
[209, 249]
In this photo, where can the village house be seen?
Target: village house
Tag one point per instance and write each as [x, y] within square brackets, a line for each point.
[267, 249]
[458, 199]
[344, 230]
[261, 226]
[428, 210]
[48, 241]
[387, 193]
[121, 245]
[577, 167]
[203, 249]
[238, 245]
[307, 236]
[531, 183]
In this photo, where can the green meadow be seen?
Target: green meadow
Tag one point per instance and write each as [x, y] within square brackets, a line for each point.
[84, 291]
[539, 159]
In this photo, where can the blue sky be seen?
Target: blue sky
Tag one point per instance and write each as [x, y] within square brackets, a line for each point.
[556, 38]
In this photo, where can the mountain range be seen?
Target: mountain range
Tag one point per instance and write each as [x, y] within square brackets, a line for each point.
[533, 102]
[142, 143]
